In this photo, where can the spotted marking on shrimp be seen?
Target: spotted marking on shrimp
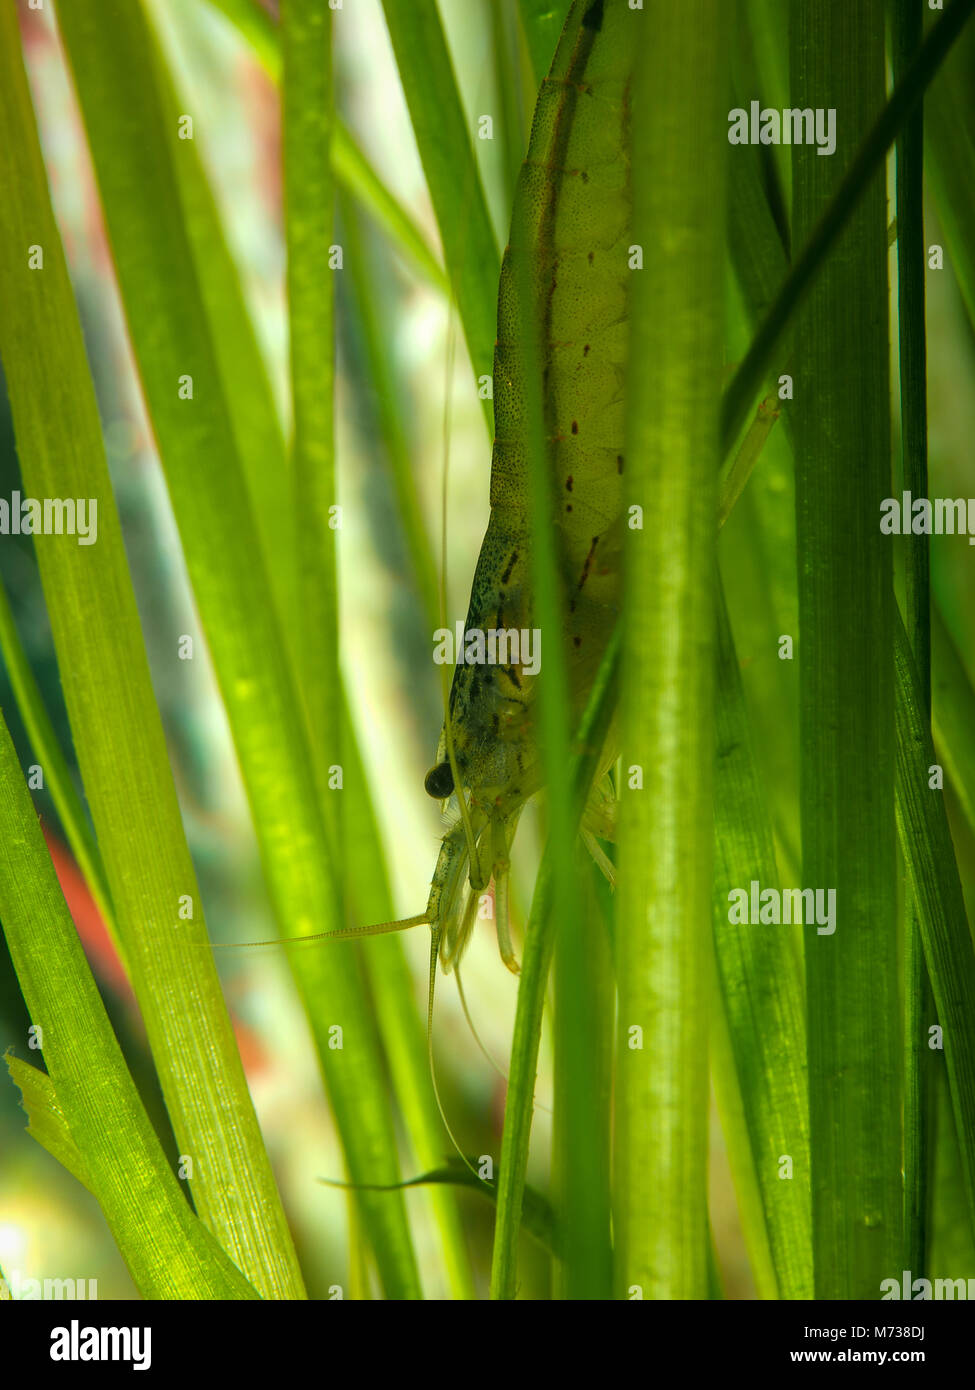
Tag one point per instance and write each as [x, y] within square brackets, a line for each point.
[588, 565]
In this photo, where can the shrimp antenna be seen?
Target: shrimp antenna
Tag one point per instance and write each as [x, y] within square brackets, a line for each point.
[339, 934]
[434, 955]
[381, 929]
[474, 1033]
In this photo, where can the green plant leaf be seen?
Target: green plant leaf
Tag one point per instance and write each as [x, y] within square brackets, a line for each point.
[820, 239]
[444, 143]
[353, 170]
[115, 70]
[398, 1021]
[537, 1216]
[57, 775]
[540, 935]
[542, 21]
[114, 720]
[368, 307]
[846, 707]
[87, 1110]
[906, 29]
[954, 717]
[47, 1122]
[949, 132]
[257, 429]
[349, 165]
[364, 873]
[309, 221]
[763, 997]
[928, 851]
[666, 839]
[760, 263]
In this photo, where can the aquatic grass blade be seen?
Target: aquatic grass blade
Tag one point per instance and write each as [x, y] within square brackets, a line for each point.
[257, 429]
[168, 1250]
[920, 1077]
[309, 222]
[540, 936]
[821, 238]
[949, 144]
[954, 717]
[57, 774]
[400, 1026]
[948, 948]
[666, 837]
[763, 997]
[115, 722]
[846, 708]
[444, 143]
[134, 152]
[542, 22]
[350, 166]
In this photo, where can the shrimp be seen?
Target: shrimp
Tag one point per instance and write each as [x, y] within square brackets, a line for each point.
[573, 194]
[573, 200]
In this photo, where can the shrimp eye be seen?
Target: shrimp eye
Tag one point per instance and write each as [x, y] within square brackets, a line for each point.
[439, 781]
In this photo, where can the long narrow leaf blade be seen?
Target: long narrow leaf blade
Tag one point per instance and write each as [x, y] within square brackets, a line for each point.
[169, 1252]
[542, 22]
[444, 142]
[762, 990]
[114, 719]
[820, 239]
[929, 853]
[115, 71]
[846, 620]
[349, 164]
[48, 753]
[309, 203]
[672, 459]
